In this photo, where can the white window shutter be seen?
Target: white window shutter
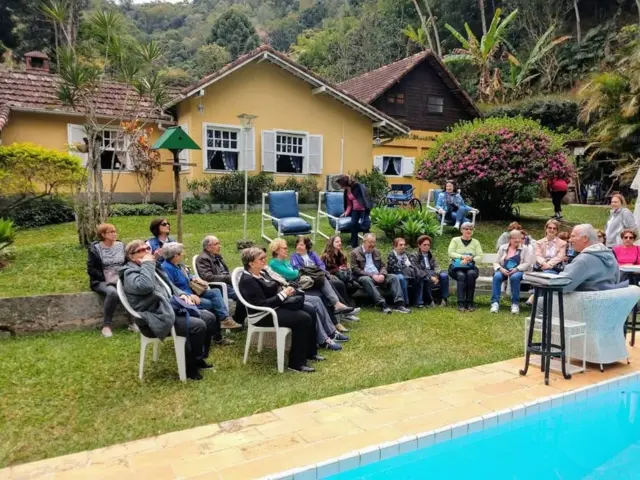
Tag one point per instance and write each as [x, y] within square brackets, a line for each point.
[269, 158]
[377, 162]
[184, 154]
[408, 164]
[314, 154]
[76, 136]
[249, 148]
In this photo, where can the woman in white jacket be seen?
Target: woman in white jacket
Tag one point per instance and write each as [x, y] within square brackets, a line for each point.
[620, 218]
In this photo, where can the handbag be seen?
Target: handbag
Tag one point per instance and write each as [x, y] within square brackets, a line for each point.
[198, 286]
[316, 274]
[456, 264]
[294, 302]
[345, 275]
[110, 277]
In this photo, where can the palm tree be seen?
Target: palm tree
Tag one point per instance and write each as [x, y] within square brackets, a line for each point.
[483, 53]
[416, 36]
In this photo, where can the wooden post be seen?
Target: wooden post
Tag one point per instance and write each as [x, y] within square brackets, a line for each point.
[176, 189]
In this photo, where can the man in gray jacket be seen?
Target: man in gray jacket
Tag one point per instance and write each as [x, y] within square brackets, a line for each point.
[595, 268]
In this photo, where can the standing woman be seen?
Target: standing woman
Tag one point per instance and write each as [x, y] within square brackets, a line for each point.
[465, 252]
[619, 219]
[357, 205]
[160, 229]
[557, 189]
[105, 258]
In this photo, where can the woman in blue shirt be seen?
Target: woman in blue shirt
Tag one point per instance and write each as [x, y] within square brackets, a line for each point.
[451, 204]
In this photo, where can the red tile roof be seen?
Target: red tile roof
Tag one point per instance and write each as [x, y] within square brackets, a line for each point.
[38, 92]
[369, 86]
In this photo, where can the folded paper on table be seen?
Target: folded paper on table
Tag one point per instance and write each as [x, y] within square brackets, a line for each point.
[546, 279]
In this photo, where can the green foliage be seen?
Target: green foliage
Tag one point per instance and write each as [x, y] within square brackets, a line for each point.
[559, 114]
[405, 222]
[375, 181]
[307, 188]
[283, 33]
[234, 32]
[491, 160]
[194, 205]
[42, 211]
[137, 209]
[7, 233]
[528, 194]
[210, 58]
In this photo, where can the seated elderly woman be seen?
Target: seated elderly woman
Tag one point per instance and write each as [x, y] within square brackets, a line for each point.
[627, 253]
[259, 289]
[465, 253]
[512, 262]
[209, 299]
[104, 259]
[279, 264]
[142, 280]
[433, 277]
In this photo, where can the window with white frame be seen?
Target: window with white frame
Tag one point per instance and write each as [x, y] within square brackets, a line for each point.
[113, 150]
[222, 148]
[290, 152]
[394, 166]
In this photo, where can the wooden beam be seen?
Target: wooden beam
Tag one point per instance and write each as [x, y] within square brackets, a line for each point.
[263, 58]
[380, 124]
[319, 90]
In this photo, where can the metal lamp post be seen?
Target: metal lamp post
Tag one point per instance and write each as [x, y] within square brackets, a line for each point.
[246, 121]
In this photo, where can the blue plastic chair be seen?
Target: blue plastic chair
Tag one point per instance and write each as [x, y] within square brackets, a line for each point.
[334, 204]
[285, 216]
[435, 195]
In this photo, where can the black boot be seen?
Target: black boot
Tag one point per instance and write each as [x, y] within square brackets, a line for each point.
[193, 372]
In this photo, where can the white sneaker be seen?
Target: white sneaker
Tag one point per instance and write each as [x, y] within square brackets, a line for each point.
[494, 307]
[515, 309]
[457, 226]
[106, 332]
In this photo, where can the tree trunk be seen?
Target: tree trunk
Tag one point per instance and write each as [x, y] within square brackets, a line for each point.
[435, 27]
[178, 198]
[578, 27]
[424, 23]
[638, 4]
[484, 17]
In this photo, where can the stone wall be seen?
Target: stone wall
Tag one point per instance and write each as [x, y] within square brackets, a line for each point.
[48, 313]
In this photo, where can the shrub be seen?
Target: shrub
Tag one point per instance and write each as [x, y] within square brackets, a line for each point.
[7, 233]
[528, 194]
[492, 160]
[194, 205]
[137, 209]
[557, 114]
[376, 183]
[42, 211]
[405, 222]
[307, 188]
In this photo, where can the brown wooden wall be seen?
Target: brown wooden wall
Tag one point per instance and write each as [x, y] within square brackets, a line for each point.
[416, 86]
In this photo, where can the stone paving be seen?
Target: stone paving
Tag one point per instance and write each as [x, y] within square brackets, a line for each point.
[315, 431]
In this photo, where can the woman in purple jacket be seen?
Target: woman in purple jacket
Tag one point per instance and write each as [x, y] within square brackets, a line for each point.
[305, 257]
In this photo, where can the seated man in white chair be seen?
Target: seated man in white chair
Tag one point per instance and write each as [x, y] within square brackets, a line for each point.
[595, 268]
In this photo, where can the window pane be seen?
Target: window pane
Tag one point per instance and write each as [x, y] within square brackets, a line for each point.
[225, 144]
[233, 144]
[218, 133]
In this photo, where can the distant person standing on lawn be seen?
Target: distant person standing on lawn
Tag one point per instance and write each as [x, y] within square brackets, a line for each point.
[357, 205]
[557, 189]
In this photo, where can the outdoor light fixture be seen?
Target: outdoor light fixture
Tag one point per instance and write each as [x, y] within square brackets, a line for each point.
[200, 108]
[246, 121]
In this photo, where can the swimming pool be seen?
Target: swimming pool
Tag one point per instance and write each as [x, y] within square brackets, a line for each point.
[591, 433]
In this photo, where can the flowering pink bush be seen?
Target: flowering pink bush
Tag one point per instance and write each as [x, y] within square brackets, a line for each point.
[492, 159]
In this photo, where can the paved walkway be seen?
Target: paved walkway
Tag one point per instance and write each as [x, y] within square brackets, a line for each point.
[312, 432]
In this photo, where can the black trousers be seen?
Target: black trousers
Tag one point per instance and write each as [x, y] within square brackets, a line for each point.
[303, 332]
[466, 284]
[341, 289]
[556, 198]
[197, 336]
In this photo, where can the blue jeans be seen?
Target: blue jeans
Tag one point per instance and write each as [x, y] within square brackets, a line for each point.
[213, 301]
[459, 216]
[404, 286]
[514, 280]
[426, 282]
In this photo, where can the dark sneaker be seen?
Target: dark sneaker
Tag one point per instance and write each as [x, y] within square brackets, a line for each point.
[193, 373]
[338, 337]
[419, 306]
[224, 341]
[332, 346]
[303, 369]
[317, 358]
[202, 364]
[471, 308]
[385, 308]
[401, 309]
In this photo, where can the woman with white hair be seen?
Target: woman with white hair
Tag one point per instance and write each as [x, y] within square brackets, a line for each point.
[465, 253]
[210, 298]
[510, 265]
[619, 219]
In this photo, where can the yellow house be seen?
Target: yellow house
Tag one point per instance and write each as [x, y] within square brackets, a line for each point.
[420, 92]
[304, 125]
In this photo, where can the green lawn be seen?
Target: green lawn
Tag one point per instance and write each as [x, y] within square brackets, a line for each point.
[67, 392]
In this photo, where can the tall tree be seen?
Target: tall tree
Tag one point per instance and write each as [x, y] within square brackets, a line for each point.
[234, 31]
[483, 16]
[424, 22]
[578, 26]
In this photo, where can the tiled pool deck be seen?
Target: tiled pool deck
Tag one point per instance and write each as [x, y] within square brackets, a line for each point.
[312, 432]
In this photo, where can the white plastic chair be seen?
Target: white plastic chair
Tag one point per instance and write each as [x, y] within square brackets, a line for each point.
[252, 318]
[432, 196]
[221, 285]
[178, 342]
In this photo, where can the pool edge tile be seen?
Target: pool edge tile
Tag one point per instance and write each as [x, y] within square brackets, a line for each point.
[531, 408]
[504, 416]
[459, 429]
[369, 455]
[426, 439]
[442, 434]
[475, 425]
[489, 420]
[389, 449]
[326, 469]
[305, 473]
[407, 444]
[349, 461]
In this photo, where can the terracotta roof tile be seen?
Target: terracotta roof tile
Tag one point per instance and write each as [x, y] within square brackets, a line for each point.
[38, 91]
[369, 86]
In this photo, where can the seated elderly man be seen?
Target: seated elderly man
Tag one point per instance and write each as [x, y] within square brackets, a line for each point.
[369, 271]
[211, 266]
[596, 267]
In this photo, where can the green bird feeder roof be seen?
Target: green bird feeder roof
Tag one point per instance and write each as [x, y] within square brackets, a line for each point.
[174, 138]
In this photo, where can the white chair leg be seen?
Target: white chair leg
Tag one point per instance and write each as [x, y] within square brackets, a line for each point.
[280, 343]
[179, 344]
[143, 349]
[156, 351]
[260, 341]
[247, 345]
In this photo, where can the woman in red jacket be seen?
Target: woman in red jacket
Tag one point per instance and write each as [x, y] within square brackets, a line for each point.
[558, 189]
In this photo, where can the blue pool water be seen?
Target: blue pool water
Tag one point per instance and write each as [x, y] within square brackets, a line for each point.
[594, 438]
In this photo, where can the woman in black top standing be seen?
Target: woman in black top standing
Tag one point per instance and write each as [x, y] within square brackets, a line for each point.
[357, 205]
[259, 289]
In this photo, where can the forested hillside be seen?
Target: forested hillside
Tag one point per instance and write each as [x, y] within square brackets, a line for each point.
[339, 38]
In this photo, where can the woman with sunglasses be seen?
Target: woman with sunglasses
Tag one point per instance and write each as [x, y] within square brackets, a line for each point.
[145, 285]
[160, 229]
[627, 253]
[550, 250]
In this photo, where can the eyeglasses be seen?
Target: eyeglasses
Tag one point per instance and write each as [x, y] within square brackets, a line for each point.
[143, 249]
[165, 224]
[626, 237]
[600, 236]
[552, 228]
[262, 257]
